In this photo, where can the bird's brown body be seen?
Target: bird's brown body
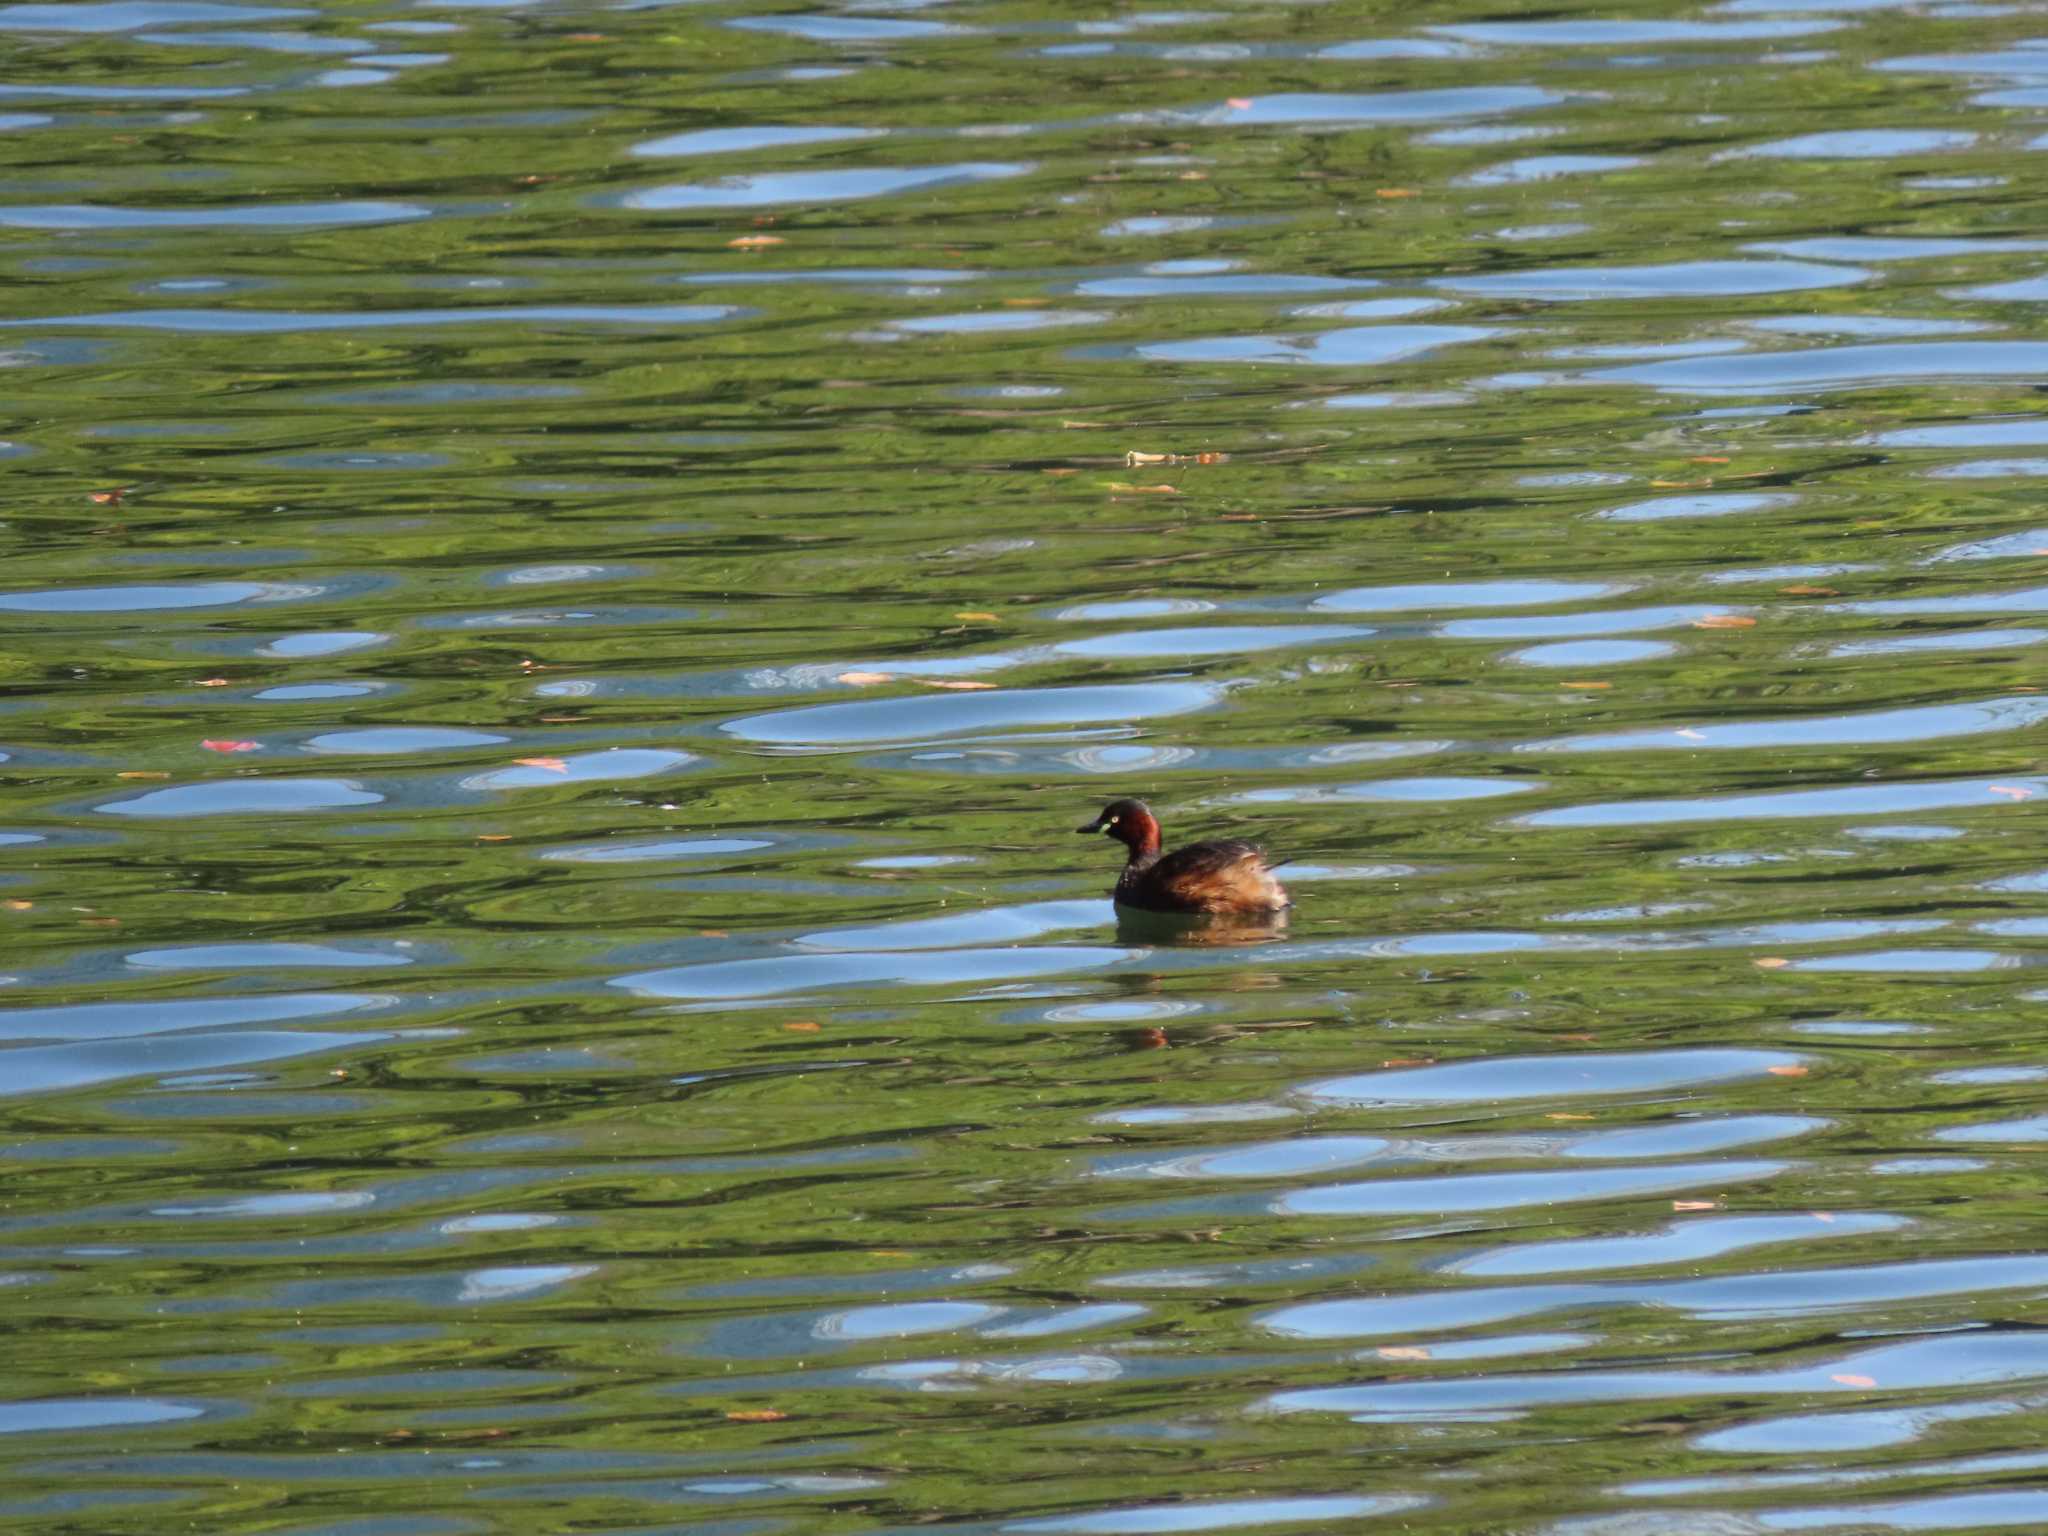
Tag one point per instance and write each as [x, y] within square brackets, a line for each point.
[1223, 876]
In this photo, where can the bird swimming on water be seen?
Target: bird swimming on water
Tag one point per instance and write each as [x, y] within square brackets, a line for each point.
[1226, 875]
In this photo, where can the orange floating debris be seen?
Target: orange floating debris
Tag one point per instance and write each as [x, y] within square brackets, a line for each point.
[551, 764]
[1788, 1071]
[757, 1415]
[754, 242]
[2011, 791]
[1695, 1205]
[221, 744]
[866, 679]
[1402, 1352]
[1852, 1379]
[1724, 621]
[1772, 963]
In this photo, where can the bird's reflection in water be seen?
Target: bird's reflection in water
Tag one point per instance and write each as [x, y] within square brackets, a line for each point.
[1199, 929]
[1162, 930]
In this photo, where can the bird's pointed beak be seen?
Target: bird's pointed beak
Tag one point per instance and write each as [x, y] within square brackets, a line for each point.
[1093, 826]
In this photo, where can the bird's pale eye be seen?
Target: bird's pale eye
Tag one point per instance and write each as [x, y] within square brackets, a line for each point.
[1114, 819]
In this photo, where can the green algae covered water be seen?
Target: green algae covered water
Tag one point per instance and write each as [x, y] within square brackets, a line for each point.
[566, 573]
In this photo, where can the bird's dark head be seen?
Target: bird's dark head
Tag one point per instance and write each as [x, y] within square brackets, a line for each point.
[1130, 822]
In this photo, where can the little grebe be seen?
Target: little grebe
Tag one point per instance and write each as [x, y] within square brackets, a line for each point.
[1226, 875]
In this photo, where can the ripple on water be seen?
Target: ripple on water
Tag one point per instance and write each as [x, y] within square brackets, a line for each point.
[1223, 1515]
[1533, 168]
[1577, 654]
[1448, 1194]
[824, 186]
[251, 216]
[1846, 800]
[1669, 280]
[1862, 144]
[1353, 347]
[847, 29]
[1832, 367]
[1680, 1242]
[585, 768]
[1932, 723]
[1498, 1079]
[140, 599]
[932, 716]
[1293, 109]
[396, 740]
[75, 1413]
[741, 979]
[244, 797]
[730, 141]
[1613, 34]
[1721, 504]
[82, 1063]
[1211, 641]
[134, 15]
[1778, 1293]
[1427, 597]
[262, 955]
[278, 322]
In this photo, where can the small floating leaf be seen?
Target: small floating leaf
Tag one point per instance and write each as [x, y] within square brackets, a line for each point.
[756, 1415]
[866, 679]
[1402, 1352]
[1772, 963]
[1852, 1379]
[1695, 1205]
[220, 744]
[1788, 1070]
[1724, 621]
[2012, 791]
[551, 764]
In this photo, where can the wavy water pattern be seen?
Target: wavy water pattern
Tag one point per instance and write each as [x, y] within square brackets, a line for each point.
[570, 573]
